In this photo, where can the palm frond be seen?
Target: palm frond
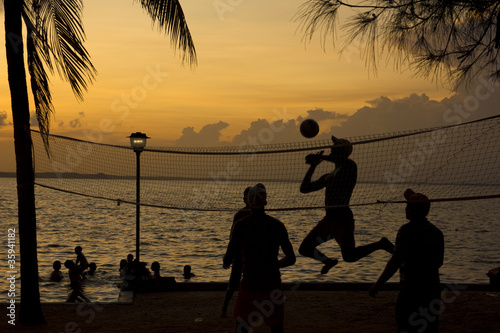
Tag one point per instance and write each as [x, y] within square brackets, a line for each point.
[39, 86]
[60, 28]
[55, 39]
[169, 16]
[36, 50]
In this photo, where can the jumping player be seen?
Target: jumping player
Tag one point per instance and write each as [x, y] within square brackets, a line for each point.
[338, 222]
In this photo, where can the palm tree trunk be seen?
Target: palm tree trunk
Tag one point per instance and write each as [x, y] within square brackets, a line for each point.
[30, 310]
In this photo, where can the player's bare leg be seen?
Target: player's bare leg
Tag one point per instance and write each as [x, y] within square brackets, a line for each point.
[308, 248]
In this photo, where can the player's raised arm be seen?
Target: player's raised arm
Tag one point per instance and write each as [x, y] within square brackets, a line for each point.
[307, 184]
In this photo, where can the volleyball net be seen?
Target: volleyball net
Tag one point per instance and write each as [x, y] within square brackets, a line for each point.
[456, 162]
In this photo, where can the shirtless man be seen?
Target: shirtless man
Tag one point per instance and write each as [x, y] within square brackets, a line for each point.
[338, 222]
[258, 238]
[418, 255]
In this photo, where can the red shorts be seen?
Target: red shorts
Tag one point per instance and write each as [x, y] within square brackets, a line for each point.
[257, 308]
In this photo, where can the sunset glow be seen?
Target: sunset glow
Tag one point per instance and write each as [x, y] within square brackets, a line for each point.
[252, 64]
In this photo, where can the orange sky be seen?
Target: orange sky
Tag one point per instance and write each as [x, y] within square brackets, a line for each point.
[252, 64]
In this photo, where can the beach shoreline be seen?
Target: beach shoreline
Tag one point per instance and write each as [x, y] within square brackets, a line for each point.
[467, 308]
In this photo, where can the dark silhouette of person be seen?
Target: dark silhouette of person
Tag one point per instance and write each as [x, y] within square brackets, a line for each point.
[128, 271]
[418, 255]
[142, 272]
[123, 268]
[92, 268]
[130, 264]
[81, 260]
[56, 274]
[258, 238]
[156, 282]
[155, 267]
[338, 222]
[187, 272]
[75, 276]
[494, 275]
[235, 277]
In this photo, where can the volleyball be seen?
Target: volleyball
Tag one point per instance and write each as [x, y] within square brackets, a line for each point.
[309, 128]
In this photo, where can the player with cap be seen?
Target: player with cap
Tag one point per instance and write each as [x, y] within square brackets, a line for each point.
[258, 238]
[418, 255]
[338, 222]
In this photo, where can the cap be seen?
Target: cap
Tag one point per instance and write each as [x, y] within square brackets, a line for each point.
[347, 145]
[411, 195]
[257, 196]
[418, 203]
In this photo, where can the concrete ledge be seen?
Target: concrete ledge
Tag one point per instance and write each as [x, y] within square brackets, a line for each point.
[126, 297]
[319, 286]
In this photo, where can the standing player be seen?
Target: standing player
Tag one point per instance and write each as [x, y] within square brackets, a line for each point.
[418, 255]
[258, 238]
[338, 222]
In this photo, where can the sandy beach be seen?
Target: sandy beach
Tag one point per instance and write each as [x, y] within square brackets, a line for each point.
[467, 309]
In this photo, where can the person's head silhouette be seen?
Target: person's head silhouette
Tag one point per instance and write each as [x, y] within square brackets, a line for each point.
[418, 205]
[257, 197]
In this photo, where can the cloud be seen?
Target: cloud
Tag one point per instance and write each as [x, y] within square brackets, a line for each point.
[384, 115]
[76, 122]
[319, 114]
[3, 119]
[208, 136]
[380, 115]
[263, 132]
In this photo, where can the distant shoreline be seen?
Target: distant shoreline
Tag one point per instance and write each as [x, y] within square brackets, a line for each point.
[74, 175]
[7, 174]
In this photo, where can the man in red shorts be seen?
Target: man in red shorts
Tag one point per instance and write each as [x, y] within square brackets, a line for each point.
[338, 222]
[257, 238]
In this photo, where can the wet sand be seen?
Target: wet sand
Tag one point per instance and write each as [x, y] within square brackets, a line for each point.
[307, 309]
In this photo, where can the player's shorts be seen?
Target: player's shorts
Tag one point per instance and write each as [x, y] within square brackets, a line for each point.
[339, 214]
[338, 224]
[417, 311]
[254, 309]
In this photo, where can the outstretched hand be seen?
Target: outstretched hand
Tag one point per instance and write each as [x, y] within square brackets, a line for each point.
[314, 159]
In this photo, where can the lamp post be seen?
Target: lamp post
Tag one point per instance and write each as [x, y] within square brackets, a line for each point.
[138, 142]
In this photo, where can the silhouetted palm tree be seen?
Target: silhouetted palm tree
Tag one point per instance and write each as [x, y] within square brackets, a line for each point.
[54, 42]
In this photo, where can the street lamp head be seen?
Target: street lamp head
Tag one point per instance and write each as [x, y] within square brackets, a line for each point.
[138, 141]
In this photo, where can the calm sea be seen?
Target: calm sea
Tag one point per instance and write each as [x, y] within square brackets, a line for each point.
[106, 232]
